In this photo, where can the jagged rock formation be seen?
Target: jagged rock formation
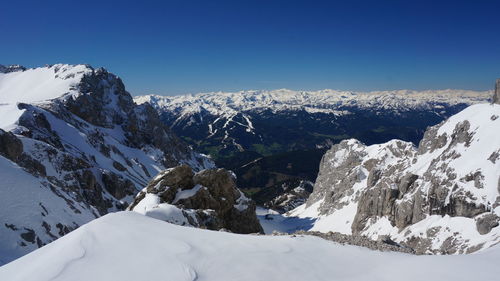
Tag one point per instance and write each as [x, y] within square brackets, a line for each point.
[443, 197]
[73, 139]
[206, 199]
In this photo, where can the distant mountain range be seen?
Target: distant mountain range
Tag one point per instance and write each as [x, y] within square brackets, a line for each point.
[268, 122]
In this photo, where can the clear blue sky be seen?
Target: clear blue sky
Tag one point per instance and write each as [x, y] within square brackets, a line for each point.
[172, 47]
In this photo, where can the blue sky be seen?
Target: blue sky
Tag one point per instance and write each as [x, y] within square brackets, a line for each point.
[173, 47]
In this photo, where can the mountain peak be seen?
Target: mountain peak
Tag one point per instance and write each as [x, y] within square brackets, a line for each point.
[74, 146]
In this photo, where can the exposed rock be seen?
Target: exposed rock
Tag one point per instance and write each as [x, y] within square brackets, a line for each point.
[383, 244]
[207, 199]
[292, 196]
[496, 95]
[486, 222]
[116, 185]
[10, 146]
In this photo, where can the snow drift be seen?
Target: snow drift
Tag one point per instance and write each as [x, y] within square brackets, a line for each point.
[128, 246]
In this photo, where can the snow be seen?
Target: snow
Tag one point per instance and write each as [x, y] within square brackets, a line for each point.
[36, 85]
[242, 201]
[150, 206]
[272, 221]
[186, 193]
[34, 204]
[129, 247]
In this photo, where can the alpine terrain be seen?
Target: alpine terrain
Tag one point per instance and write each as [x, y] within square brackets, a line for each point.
[74, 146]
[442, 197]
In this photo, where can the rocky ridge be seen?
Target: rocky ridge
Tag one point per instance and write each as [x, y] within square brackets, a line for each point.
[72, 137]
[207, 199]
[442, 197]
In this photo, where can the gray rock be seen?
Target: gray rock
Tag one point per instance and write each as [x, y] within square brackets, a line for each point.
[496, 95]
[10, 146]
[293, 196]
[214, 204]
[383, 244]
[486, 222]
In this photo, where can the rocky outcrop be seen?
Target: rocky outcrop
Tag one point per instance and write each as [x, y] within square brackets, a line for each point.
[384, 244]
[496, 95]
[206, 199]
[443, 197]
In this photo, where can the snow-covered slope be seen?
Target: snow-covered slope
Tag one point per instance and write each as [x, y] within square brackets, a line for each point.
[36, 85]
[443, 197]
[127, 246]
[80, 148]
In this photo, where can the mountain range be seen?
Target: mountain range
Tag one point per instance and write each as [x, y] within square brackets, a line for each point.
[222, 124]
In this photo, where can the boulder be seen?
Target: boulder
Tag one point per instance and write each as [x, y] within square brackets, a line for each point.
[207, 199]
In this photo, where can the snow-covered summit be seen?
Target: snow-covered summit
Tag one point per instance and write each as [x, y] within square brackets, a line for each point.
[42, 83]
[21, 85]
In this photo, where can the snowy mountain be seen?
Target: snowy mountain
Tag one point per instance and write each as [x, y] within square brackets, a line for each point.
[73, 146]
[268, 122]
[442, 197]
[128, 246]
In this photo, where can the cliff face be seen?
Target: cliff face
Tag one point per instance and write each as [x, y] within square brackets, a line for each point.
[442, 197]
[80, 148]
